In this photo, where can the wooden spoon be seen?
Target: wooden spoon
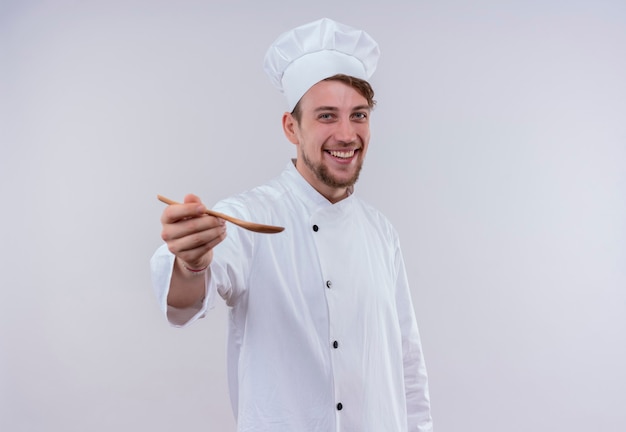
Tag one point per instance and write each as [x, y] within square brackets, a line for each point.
[252, 226]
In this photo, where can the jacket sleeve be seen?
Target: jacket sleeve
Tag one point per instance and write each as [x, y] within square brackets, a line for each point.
[415, 377]
[161, 265]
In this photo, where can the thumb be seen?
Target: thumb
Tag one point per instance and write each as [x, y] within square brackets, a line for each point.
[191, 198]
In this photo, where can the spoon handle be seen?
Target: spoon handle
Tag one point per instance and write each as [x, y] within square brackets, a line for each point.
[252, 226]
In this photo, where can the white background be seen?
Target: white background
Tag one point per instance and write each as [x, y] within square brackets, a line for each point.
[498, 151]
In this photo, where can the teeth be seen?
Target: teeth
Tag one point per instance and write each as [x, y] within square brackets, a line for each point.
[342, 154]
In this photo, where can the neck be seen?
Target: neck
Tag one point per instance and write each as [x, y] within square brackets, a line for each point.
[331, 193]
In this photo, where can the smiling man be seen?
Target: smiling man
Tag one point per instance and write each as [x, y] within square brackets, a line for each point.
[330, 127]
[322, 332]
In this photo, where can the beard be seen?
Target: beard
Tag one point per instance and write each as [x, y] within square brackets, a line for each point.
[322, 173]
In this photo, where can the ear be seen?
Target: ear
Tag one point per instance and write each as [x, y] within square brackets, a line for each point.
[290, 127]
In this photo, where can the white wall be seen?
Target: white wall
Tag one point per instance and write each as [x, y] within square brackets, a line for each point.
[499, 152]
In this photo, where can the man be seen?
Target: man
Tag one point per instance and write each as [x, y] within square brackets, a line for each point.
[322, 332]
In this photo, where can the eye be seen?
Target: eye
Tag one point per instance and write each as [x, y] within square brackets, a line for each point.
[325, 116]
[361, 115]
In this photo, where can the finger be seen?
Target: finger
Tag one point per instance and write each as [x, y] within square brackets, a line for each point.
[194, 246]
[202, 260]
[177, 212]
[192, 240]
[191, 198]
[189, 226]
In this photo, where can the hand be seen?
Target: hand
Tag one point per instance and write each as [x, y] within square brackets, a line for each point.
[191, 234]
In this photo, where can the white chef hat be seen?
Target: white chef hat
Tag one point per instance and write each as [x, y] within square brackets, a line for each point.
[303, 56]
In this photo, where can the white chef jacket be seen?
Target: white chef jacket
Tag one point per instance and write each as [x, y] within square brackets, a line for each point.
[322, 332]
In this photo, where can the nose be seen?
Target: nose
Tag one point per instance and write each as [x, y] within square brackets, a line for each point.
[345, 131]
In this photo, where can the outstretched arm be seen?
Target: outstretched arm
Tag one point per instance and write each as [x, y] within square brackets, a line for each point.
[190, 235]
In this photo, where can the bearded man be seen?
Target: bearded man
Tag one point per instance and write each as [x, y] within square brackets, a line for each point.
[322, 331]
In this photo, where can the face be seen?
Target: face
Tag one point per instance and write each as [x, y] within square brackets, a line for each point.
[332, 137]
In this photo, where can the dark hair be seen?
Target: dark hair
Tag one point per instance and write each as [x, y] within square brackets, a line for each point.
[361, 86]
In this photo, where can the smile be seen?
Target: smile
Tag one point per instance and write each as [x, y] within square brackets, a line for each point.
[346, 154]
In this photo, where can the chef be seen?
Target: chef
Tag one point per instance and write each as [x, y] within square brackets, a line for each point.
[322, 330]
